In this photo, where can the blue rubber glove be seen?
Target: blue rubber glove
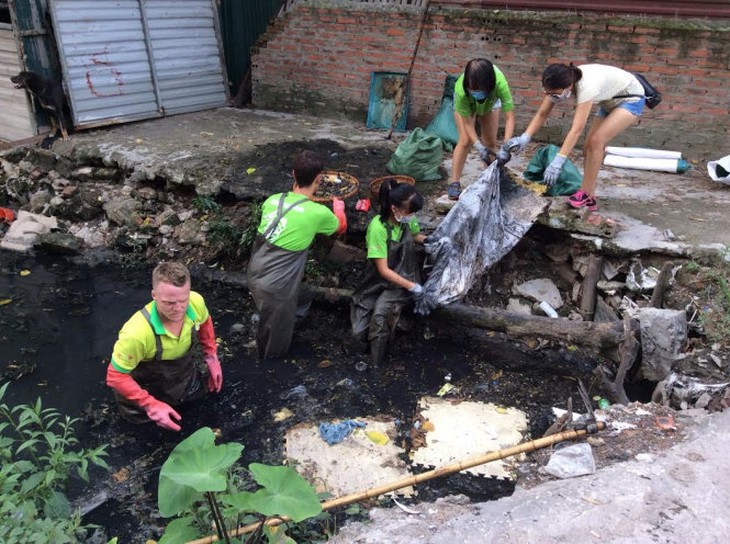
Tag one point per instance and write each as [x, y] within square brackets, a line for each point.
[552, 172]
[518, 143]
[483, 153]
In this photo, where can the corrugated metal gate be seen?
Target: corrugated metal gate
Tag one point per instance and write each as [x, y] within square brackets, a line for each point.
[125, 60]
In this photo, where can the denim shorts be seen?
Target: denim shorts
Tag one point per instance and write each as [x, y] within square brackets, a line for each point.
[636, 108]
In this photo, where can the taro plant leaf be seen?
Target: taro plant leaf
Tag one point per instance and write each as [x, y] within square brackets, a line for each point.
[284, 493]
[195, 466]
[173, 498]
[180, 530]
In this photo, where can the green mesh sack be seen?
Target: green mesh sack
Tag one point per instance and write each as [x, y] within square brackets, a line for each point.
[418, 156]
[569, 180]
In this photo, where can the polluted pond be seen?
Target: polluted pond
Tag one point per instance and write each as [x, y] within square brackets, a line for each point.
[441, 386]
[62, 319]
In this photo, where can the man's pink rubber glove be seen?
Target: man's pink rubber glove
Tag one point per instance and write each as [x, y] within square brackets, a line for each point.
[206, 334]
[162, 414]
[338, 208]
[157, 411]
[215, 374]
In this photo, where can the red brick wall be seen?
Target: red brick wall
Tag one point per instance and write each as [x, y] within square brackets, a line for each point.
[319, 59]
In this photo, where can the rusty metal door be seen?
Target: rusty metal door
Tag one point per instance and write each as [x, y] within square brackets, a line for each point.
[126, 60]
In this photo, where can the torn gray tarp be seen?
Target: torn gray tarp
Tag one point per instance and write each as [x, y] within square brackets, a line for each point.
[491, 216]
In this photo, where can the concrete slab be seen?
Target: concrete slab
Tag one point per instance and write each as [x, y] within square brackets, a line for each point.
[463, 430]
[647, 206]
[355, 464]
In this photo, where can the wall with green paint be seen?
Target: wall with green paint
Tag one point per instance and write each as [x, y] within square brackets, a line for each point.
[242, 23]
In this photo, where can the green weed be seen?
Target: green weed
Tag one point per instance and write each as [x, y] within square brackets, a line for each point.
[206, 205]
[39, 453]
[249, 234]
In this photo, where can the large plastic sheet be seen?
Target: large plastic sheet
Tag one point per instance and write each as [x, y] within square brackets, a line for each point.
[491, 216]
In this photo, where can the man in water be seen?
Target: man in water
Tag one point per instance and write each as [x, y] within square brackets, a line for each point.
[153, 364]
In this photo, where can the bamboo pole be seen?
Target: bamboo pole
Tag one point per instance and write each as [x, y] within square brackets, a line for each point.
[412, 480]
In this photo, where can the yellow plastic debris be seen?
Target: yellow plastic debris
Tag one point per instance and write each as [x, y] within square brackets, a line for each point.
[25, 272]
[283, 414]
[250, 170]
[446, 388]
[5, 301]
[428, 426]
[376, 437]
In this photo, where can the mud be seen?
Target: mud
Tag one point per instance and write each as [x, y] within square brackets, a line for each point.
[64, 317]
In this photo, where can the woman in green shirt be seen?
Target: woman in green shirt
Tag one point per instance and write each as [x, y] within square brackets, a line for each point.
[394, 278]
[479, 95]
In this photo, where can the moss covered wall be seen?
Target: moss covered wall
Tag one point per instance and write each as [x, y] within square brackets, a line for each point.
[319, 58]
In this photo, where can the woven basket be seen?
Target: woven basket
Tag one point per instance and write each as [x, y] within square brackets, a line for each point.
[377, 182]
[334, 183]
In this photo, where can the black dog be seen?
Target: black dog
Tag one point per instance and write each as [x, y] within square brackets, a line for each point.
[49, 95]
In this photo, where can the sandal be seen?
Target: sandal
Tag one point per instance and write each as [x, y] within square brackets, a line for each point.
[454, 190]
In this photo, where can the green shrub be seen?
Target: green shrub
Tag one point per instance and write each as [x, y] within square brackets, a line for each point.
[39, 452]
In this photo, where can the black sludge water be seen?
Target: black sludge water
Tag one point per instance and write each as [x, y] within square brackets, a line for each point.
[59, 327]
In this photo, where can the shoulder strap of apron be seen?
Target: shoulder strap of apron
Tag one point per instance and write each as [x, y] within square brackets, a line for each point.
[281, 212]
[388, 237]
[158, 340]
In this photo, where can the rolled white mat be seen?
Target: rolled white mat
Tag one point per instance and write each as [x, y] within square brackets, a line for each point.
[643, 152]
[636, 163]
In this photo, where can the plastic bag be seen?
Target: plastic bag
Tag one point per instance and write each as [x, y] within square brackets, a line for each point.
[571, 461]
[569, 180]
[491, 216]
[418, 156]
[443, 124]
[719, 170]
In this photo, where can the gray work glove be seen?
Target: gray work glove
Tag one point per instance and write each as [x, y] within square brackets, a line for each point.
[504, 155]
[417, 290]
[518, 143]
[483, 152]
[552, 172]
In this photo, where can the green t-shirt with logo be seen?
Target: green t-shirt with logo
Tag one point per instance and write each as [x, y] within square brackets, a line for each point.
[300, 225]
[377, 236]
[466, 106]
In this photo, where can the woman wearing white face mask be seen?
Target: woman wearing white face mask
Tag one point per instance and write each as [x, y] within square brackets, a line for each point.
[479, 95]
[395, 276]
[620, 99]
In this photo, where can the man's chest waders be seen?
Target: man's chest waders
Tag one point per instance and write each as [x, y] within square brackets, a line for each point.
[274, 280]
[173, 381]
[377, 303]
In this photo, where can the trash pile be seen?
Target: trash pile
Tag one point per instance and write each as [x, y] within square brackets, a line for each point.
[491, 216]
